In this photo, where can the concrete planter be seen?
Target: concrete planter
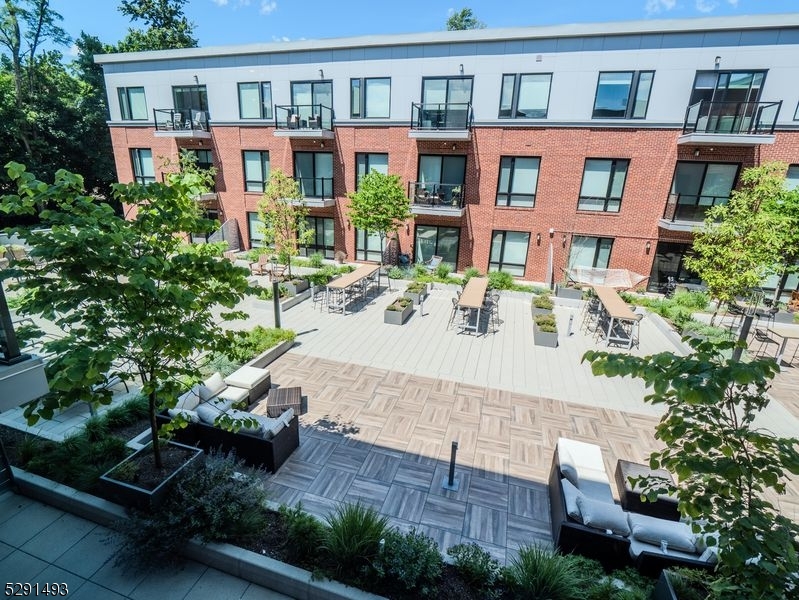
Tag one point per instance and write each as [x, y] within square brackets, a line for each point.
[568, 292]
[397, 317]
[296, 286]
[417, 298]
[269, 355]
[663, 588]
[544, 338]
[296, 299]
[539, 311]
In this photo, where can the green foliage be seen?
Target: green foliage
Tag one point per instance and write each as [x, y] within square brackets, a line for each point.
[395, 273]
[541, 574]
[126, 413]
[399, 304]
[315, 260]
[167, 26]
[305, 535]
[704, 331]
[544, 301]
[479, 570]
[443, 270]
[410, 562]
[353, 539]
[463, 19]
[689, 584]
[499, 280]
[267, 293]
[725, 464]
[470, 272]
[416, 287]
[546, 323]
[697, 301]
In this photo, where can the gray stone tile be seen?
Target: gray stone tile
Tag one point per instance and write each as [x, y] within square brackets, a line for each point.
[379, 466]
[118, 579]
[282, 494]
[443, 537]
[11, 505]
[315, 450]
[529, 502]
[347, 459]
[488, 492]
[404, 503]
[89, 554]
[443, 513]
[319, 506]
[256, 592]
[416, 475]
[441, 474]
[296, 474]
[53, 575]
[92, 591]
[523, 531]
[368, 492]
[23, 567]
[5, 550]
[58, 537]
[27, 523]
[332, 483]
[170, 584]
[485, 524]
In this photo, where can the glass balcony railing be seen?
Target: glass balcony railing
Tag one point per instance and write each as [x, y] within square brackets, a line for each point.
[451, 116]
[320, 188]
[444, 195]
[304, 117]
[688, 208]
[732, 118]
[169, 119]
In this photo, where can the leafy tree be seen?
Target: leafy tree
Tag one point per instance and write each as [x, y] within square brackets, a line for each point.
[379, 206]
[167, 26]
[128, 290]
[283, 214]
[724, 463]
[464, 19]
[784, 204]
[739, 244]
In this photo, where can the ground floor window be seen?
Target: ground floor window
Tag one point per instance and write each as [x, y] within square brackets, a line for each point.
[367, 246]
[509, 252]
[322, 241]
[437, 241]
[669, 262]
[255, 229]
[590, 252]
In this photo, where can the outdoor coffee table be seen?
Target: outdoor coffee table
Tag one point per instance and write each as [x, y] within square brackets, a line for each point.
[279, 399]
[665, 507]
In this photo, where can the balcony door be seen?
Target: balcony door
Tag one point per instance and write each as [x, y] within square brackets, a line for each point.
[700, 185]
[190, 98]
[441, 175]
[314, 173]
[727, 86]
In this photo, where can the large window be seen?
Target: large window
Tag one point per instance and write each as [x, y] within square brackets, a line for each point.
[255, 227]
[367, 246]
[792, 178]
[256, 170]
[446, 90]
[143, 169]
[322, 241]
[132, 103]
[204, 159]
[255, 100]
[590, 252]
[370, 98]
[314, 172]
[437, 241]
[603, 184]
[441, 175]
[518, 179]
[525, 95]
[623, 94]
[367, 162]
[509, 252]
[307, 93]
[727, 86]
[670, 262]
[190, 97]
[699, 185]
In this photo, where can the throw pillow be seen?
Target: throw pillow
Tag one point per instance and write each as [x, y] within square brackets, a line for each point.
[189, 415]
[603, 515]
[190, 399]
[570, 495]
[287, 416]
[652, 530]
[222, 404]
[208, 413]
[215, 383]
[567, 467]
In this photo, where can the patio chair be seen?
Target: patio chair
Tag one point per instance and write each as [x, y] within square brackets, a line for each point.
[229, 255]
[453, 317]
[764, 340]
[263, 266]
[433, 263]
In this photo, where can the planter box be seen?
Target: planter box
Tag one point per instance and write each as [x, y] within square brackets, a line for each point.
[540, 311]
[295, 300]
[544, 338]
[397, 317]
[269, 355]
[568, 292]
[663, 588]
[297, 286]
[131, 495]
[417, 297]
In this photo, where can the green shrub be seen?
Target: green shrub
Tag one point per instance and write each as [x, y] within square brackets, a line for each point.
[395, 273]
[399, 304]
[416, 287]
[499, 280]
[443, 270]
[704, 330]
[409, 561]
[305, 535]
[320, 277]
[689, 584]
[219, 363]
[353, 539]
[470, 272]
[267, 293]
[95, 428]
[126, 413]
[419, 270]
[315, 260]
[546, 323]
[479, 570]
[697, 301]
[544, 301]
[542, 574]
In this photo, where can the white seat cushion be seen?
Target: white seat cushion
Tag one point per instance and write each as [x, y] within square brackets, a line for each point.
[585, 460]
[235, 394]
[247, 377]
[215, 385]
[637, 546]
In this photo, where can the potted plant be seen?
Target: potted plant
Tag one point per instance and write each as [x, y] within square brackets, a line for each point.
[542, 305]
[416, 291]
[545, 331]
[398, 311]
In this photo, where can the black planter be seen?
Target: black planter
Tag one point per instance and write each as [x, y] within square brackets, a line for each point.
[663, 588]
[130, 495]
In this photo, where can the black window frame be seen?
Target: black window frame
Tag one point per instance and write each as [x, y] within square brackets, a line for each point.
[705, 164]
[514, 104]
[796, 113]
[509, 194]
[436, 252]
[136, 165]
[314, 154]
[361, 95]
[498, 265]
[201, 92]
[368, 168]
[597, 248]
[266, 109]
[632, 93]
[449, 78]
[316, 224]
[314, 83]
[693, 99]
[265, 171]
[254, 243]
[123, 95]
[363, 253]
[608, 197]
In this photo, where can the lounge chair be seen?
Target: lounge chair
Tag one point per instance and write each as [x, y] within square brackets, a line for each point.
[263, 266]
[432, 264]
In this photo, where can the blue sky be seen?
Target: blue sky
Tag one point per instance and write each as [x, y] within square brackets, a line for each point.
[223, 22]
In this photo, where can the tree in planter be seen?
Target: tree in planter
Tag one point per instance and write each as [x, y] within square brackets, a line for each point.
[379, 206]
[128, 290]
[283, 214]
[723, 462]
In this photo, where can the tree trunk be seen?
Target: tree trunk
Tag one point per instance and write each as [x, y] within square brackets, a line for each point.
[153, 403]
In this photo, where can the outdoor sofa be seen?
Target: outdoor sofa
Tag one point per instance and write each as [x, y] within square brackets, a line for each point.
[587, 521]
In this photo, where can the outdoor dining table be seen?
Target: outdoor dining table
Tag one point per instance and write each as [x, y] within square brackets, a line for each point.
[617, 312]
[786, 333]
[339, 286]
[473, 297]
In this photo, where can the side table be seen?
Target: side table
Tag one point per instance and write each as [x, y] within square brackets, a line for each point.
[282, 398]
[665, 507]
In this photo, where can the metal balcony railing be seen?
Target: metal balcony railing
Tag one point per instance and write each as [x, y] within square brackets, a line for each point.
[682, 207]
[169, 119]
[444, 195]
[453, 116]
[732, 118]
[316, 187]
[304, 116]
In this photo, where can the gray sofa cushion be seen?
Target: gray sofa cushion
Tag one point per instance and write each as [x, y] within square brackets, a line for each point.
[652, 530]
[603, 515]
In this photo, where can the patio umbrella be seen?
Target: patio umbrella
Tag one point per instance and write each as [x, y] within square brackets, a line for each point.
[550, 265]
[616, 278]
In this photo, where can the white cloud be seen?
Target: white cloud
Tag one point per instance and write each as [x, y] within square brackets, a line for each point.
[706, 6]
[74, 50]
[655, 6]
[267, 7]
[733, 2]
[279, 38]
[220, 2]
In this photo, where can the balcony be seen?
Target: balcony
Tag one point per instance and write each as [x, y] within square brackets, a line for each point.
[447, 122]
[730, 123]
[317, 192]
[439, 199]
[686, 213]
[188, 123]
[311, 121]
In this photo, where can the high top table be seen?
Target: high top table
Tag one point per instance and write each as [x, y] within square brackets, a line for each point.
[618, 312]
[339, 286]
[473, 297]
[785, 332]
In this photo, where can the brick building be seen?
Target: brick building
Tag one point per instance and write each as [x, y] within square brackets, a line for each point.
[605, 142]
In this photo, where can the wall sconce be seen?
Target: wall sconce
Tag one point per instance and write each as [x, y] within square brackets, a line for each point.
[321, 74]
[648, 246]
[538, 238]
[551, 232]
[454, 146]
[349, 225]
[563, 241]
[718, 62]
[407, 229]
[321, 144]
[696, 152]
[460, 68]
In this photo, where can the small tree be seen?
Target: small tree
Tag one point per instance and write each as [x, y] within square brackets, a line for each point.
[739, 244]
[379, 206]
[284, 214]
[122, 289]
[723, 462]
[464, 19]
